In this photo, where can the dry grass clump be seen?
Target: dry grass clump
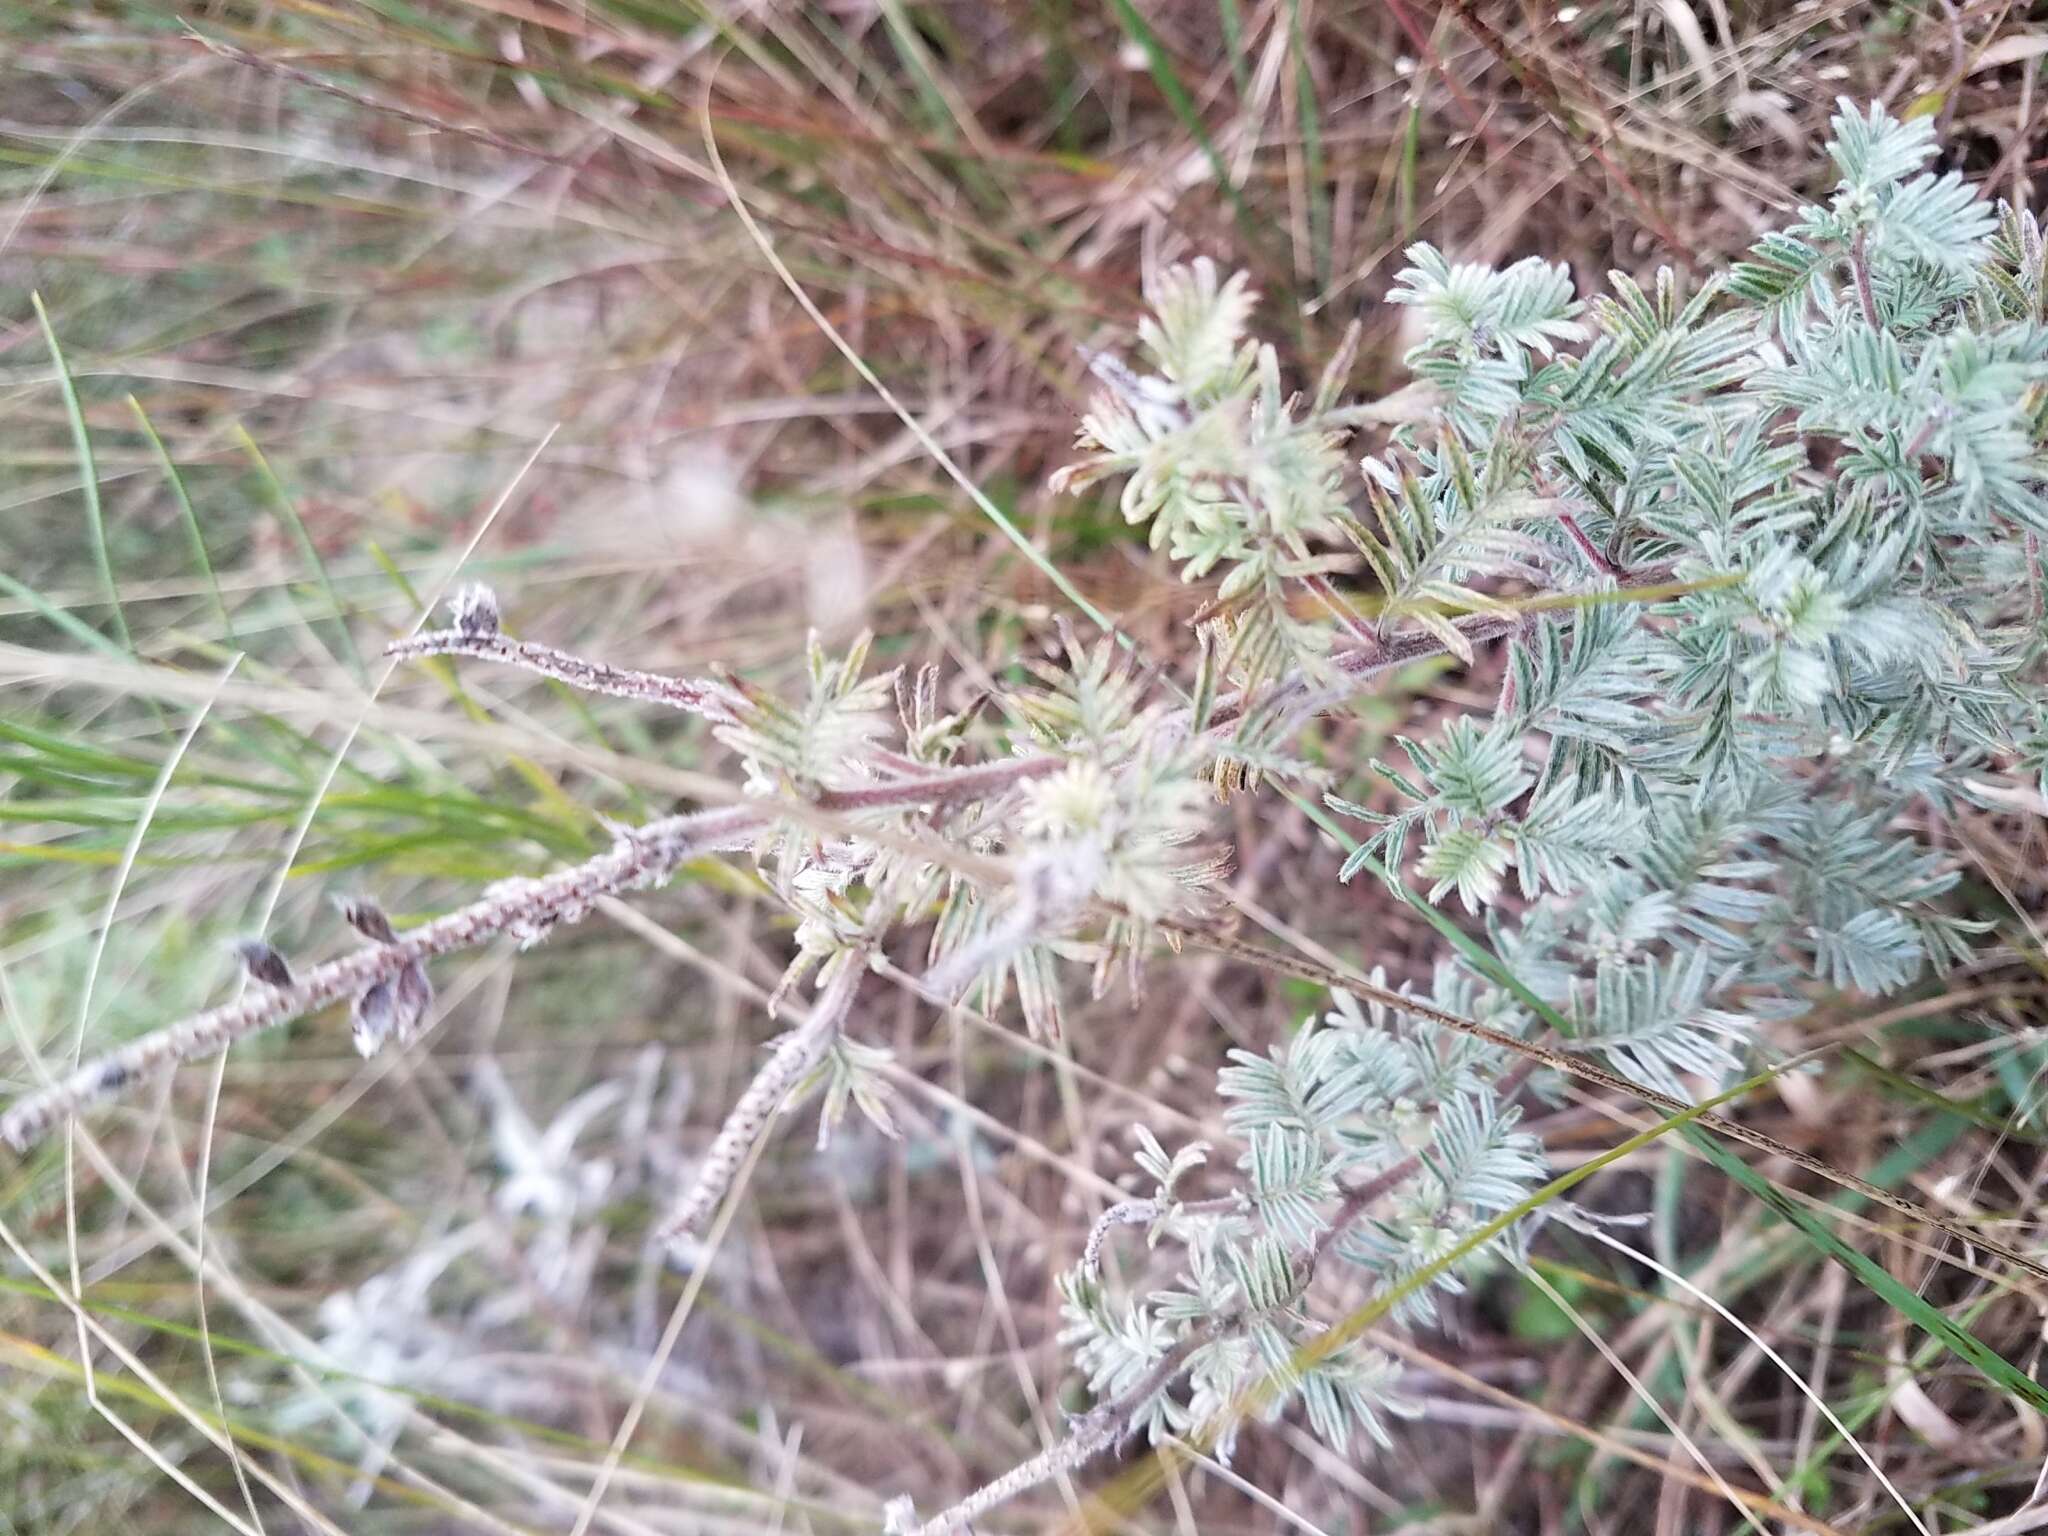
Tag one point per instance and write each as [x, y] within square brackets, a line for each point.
[351, 299]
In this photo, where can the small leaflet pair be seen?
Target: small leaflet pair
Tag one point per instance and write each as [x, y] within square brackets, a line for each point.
[386, 1010]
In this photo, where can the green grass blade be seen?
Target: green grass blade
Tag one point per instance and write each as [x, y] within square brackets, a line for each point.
[88, 471]
[1404, 184]
[1232, 21]
[1902, 1299]
[70, 623]
[1921, 1094]
[1309, 110]
[1178, 97]
[190, 516]
[288, 514]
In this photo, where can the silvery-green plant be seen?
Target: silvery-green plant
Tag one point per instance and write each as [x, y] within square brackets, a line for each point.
[1764, 554]
[1781, 537]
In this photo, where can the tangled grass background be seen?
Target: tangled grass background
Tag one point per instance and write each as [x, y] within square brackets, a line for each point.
[349, 299]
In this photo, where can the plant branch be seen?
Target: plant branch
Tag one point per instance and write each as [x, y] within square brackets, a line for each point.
[698, 696]
[1361, 1198]
[948, 786]
[1361, 663]
[641, 856]
[475, 634]
[1341, 610]
[1104, 1426]
[1584, 1069]
[1859, 262]
[1356, 1202]
[1101, 1429]
[797, 1053]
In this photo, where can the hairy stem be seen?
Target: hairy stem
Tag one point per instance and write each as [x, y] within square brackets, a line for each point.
[1587, 547]
[947, 786]
[697, 696]
[1125, 1213]
[642, 856]
[1357, 1202]
[1341, 610]
[1866, 296]
[798, 1052]
[1133, 1213]
[482, 641]
[1100, 1429]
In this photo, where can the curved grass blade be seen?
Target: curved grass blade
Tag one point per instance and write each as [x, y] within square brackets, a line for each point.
[1957, 1339]
[289, 516]
[190, 517]
[88, 472]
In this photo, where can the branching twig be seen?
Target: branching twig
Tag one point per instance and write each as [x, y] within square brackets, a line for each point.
[1359, 665]
[1104, 1426]
[476, 635]
[641, 856]
[948, 786]
[1576, 1065]
[1360, 1200]
[798, 1052]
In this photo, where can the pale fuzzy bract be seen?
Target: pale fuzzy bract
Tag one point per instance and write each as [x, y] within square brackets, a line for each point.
[1134, 823]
